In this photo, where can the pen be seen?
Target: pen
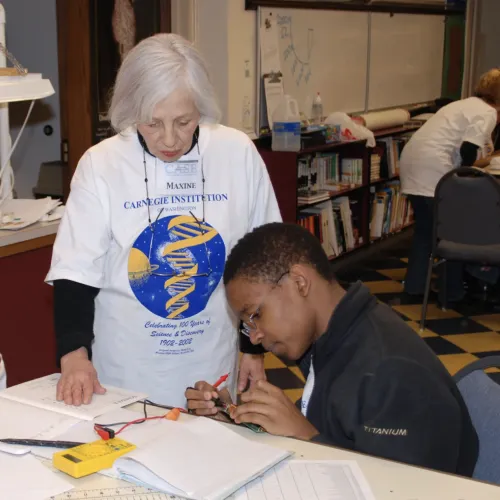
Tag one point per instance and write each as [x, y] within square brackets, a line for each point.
[41, 442]
[221, 379]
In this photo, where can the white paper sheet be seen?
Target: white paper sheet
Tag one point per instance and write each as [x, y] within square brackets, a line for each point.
[25, 478]
[26, 212]
[309, 480]
[84, 432]
[20, 421]
[41, 393]
[269, 47]
[201, 457]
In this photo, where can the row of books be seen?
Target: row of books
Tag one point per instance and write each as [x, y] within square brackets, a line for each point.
[334, 223]
[390, 210]
[392, 148]
[326, 171]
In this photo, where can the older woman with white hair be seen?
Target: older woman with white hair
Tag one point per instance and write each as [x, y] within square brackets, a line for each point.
[153, 213]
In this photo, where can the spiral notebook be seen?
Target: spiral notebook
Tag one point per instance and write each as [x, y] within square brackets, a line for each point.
[41, 393]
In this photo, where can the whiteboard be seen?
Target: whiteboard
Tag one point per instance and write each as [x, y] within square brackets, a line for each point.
[406, 59]
[323, 51]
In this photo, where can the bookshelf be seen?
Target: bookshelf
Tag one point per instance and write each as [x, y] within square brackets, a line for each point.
[373, 204]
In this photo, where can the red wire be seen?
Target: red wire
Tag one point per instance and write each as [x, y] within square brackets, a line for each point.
[137, 421]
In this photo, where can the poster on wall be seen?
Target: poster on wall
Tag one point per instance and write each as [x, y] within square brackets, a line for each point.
[118, 25]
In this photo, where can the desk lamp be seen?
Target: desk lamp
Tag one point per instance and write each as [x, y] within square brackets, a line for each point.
[16, 84]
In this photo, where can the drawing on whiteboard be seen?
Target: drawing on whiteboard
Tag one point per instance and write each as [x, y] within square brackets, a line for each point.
[300, 67]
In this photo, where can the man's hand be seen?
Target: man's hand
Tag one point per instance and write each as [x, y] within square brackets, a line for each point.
[251, 369]
[78, 380]
[199, 398]
[269, 407]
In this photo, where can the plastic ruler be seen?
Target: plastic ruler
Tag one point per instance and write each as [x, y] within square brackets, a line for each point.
[120, 493]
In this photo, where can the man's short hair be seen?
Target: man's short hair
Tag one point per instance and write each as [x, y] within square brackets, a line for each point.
[269, 252]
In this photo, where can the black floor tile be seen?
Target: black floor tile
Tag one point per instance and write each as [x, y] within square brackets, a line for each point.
[442, 346]
[454, 326]
[487, 354]
[284, 378]
[495, 377]
[288, 362]
[476, 307]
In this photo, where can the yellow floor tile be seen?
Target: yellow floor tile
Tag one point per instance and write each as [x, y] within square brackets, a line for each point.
[476, 342]
[271, 361]
[296, 370]
[492, 370]
[394, 274]
[384, 286]
[426, 333]
[414, 312]
[491, 321]
[455, 362]
[293, 394]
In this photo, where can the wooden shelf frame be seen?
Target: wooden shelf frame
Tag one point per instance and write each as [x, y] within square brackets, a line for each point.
[391, 7]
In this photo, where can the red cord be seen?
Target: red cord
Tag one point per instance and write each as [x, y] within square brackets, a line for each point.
[137, 421]
[106, 433]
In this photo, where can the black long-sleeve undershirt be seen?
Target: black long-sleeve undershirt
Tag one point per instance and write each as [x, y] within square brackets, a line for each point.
[468, 153]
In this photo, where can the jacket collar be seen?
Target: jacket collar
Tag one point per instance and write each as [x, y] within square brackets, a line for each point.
[351, 309]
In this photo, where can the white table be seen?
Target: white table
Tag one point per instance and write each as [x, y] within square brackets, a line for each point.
[388, 480]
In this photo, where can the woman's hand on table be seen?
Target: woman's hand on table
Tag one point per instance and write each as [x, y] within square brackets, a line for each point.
[78, 380]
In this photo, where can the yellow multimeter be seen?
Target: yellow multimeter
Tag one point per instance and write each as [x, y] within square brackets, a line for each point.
[91, 457]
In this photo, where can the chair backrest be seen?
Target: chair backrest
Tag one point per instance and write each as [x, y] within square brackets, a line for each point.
[482, 397]
[467, 207]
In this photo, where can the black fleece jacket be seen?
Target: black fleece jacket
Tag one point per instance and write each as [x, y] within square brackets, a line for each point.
[380, 390]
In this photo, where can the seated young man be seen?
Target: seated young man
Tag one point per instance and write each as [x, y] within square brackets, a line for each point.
[372, 385]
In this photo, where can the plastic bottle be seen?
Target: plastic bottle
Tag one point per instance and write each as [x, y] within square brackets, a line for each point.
[286, 125]
[317, 110]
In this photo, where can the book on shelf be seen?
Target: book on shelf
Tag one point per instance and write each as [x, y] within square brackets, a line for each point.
[390, 210]
[325, 171]
[393, 147]
[334, 224]
[312, 196]
[375, 159]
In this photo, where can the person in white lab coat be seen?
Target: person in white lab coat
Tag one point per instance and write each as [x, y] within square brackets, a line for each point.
[153, 213]
[455, 136]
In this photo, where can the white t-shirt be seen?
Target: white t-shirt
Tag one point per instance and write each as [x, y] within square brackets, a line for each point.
[308, 389]
[156, 331]
[434, 149]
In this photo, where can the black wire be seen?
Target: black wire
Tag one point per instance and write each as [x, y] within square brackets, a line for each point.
[125, 423]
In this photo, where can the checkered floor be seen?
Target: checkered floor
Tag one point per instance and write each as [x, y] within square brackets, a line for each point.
[459, 336]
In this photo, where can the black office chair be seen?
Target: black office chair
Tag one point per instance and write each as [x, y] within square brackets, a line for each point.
[482, 397]
[466, 223]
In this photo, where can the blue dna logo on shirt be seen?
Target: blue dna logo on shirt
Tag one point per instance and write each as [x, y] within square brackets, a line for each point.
[175, 265]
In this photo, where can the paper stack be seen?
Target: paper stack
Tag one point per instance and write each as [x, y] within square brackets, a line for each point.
[18, 214]
[200, 459]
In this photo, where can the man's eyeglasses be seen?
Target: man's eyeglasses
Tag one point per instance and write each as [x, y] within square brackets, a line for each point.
[250, 325]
